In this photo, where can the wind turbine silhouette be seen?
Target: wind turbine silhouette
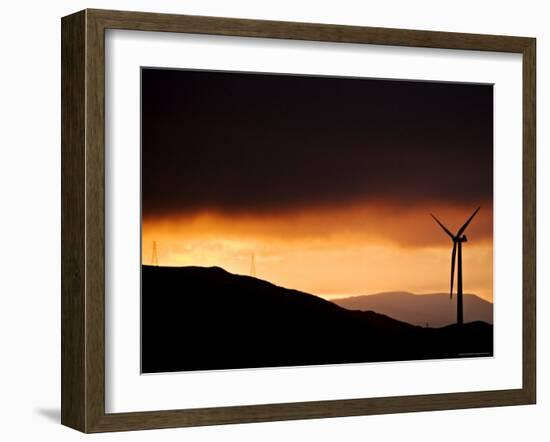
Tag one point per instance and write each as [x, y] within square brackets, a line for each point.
[458, 239]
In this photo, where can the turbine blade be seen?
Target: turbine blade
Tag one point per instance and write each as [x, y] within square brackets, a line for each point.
[463, 228]
[453, 261]
[443, 227]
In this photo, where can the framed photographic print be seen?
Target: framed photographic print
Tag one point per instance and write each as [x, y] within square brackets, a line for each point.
[270, 220]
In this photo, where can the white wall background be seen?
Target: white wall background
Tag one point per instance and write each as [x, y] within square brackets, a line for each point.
[30, 218]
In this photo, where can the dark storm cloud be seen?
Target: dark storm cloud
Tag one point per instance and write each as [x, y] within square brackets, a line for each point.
[254, 143]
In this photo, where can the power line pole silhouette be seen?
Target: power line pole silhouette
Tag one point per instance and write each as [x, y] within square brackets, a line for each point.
[253, 266]
[155, 258]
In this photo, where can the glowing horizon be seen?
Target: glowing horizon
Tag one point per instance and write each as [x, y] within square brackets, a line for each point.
[333, 252]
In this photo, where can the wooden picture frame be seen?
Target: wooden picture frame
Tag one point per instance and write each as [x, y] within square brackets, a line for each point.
[83, 220]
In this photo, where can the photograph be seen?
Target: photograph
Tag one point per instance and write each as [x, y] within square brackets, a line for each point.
[297, 220]
[289, 217]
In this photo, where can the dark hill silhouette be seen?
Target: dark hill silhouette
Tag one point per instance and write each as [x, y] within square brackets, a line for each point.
[435, 309]
[196, 318]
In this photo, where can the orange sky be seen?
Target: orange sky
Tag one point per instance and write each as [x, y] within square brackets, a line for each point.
[333, 251]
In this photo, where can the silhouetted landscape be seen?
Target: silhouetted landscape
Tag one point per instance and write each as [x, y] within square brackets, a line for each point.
[198, 318]
[435, 309]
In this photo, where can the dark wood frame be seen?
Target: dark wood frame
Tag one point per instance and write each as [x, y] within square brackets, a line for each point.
[83, 216]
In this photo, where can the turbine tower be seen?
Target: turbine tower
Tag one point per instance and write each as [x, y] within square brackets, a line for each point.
[457, 239]
[252, 265]
[155, 258]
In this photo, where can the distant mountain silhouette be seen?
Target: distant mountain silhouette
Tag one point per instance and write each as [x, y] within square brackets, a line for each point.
[196, 318]
[435, 309]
